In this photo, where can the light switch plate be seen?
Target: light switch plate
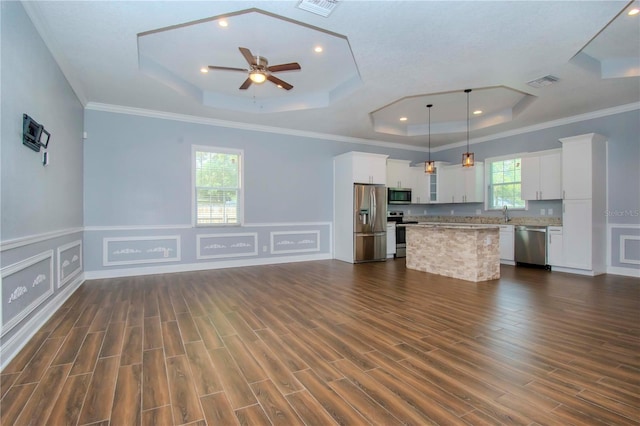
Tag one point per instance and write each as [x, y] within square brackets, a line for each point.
[550, 212]
[543, 212]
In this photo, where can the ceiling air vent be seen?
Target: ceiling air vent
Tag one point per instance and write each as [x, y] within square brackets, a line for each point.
[319, 7]
[543, 81]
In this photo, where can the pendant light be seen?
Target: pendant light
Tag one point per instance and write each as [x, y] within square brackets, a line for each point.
[430, 166]
[467, 157]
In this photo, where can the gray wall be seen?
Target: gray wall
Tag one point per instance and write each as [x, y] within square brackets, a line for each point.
[138, 186]
[41, 220]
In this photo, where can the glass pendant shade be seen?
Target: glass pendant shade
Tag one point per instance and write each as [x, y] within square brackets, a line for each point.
[467, 157]
[430, 167]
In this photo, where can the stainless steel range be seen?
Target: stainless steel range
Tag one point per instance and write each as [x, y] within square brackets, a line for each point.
[401, 231]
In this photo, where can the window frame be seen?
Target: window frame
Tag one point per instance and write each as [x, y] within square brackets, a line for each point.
[487, 178]
[240, 203]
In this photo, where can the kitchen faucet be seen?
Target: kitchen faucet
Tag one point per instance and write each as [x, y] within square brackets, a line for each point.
[505, 213]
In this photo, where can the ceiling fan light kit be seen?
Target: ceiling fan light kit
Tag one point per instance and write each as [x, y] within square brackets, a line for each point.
[467, 157]
[260, 71]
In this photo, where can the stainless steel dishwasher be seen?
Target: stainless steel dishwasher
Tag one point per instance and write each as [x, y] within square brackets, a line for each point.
[531, 245]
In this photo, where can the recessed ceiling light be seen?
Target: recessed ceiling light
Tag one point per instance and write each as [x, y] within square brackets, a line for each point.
[634, 11]
[403, 118]
[223, 23]
[317, 49]
[204, 70]
[477, 112]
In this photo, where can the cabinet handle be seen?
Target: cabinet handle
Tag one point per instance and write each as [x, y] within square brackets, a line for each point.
[563, 194]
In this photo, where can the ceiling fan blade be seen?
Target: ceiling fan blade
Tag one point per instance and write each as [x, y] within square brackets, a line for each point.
[247, 55]
[214, 67]
[285, 67]
[246, 84]
[279, 82]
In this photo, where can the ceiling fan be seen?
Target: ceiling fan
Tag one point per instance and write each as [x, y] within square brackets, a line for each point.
[260, 71]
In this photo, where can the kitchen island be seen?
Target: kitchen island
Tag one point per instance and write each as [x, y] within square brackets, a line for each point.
[467, 252]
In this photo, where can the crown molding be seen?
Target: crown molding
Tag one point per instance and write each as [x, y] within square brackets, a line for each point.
[118, 109]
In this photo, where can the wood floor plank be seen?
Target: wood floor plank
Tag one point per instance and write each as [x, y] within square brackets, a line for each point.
[233, 382]
[127, 404]
[252, 415]
[18, 363]
[40, 361]
[69, 404]
[247, 363]
[88, 354]
[14, 401]
[152, 338]
[157, 416]
[70, 347]
[274, 404]
[210, 336]
[274, 367]
[172, 339]
[217, 410]
[184, 398]
[204, 373]
[188, 329]
[98, 401]
[155, 385]
[112, 344]
[309, 409]
[132, 346]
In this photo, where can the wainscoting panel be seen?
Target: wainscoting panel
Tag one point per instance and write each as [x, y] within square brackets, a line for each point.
[25, 285]
[295, 241]
[141, 250]
[217, 246]
[624, 249]
[69, 262]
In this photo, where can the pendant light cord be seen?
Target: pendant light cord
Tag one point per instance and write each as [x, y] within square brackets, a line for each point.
[429, 109]
[468, 91]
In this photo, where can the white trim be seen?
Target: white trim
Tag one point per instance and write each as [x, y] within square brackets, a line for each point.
[200, 256]
[105, 250]
[63, 280]
[168, 269]
[13, 345]
[263, 225]
[136, 227]
[20, 266]
[627, 272]
[622, 256]
[324, 137]
[313, 232]
[38, 238]
[587, 272]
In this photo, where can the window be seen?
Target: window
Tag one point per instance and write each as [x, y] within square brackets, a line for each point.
[217, 176]
[504, 184]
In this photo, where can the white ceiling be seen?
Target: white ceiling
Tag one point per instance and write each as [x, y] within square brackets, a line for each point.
[382, 60]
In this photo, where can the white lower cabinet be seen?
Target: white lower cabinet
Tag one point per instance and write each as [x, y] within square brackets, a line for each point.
[506, 244]
[576, 234]
[555, 246]
[391, 239]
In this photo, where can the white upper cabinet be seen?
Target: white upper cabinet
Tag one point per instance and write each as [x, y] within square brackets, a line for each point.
[420, 186]
[399, 174]
[366, 167]
[462, 184]
[542, 176]
[577, 164]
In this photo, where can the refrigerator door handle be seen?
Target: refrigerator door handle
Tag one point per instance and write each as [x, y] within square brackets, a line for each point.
[373, 205]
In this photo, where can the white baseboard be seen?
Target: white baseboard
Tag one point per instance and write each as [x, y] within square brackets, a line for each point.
[13, 345]
[627, 272]
[188, 267]
[586, 272]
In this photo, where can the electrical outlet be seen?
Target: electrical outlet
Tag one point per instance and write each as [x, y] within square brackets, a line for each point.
[478, 212]
[264, 249]
[424, 211]
[550, 212]
[542, 212]
[451, 212]
[409, 212]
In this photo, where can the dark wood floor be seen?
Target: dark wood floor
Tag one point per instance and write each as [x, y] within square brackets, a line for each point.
[328, 342]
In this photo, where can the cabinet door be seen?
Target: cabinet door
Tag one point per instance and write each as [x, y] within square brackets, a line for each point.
[399, 174]
[507, 243]
[420, 186]
[530, 177]
[576, 233]
[473, 179]
[576, 170]
[550, 177]
[555, 246]
[369, 169]
[447, 176]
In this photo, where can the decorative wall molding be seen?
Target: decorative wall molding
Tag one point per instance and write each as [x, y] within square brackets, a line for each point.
[623, 249]
[17, 341]
[137, 227]
[32, 239]
[217, 246]
[69, 261]
[295, 241]
[29, 279]
[140, 250]
[190, 267]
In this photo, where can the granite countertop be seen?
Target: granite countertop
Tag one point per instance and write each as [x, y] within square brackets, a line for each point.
[442, 225]
[488, 220]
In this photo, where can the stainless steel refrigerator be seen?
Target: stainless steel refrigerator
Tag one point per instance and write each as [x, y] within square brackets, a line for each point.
[369, 222]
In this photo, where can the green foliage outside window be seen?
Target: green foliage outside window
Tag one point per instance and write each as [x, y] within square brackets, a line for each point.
[217, 187]
[504, 184]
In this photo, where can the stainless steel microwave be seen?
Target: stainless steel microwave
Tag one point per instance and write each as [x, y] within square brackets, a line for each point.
[399, 195]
